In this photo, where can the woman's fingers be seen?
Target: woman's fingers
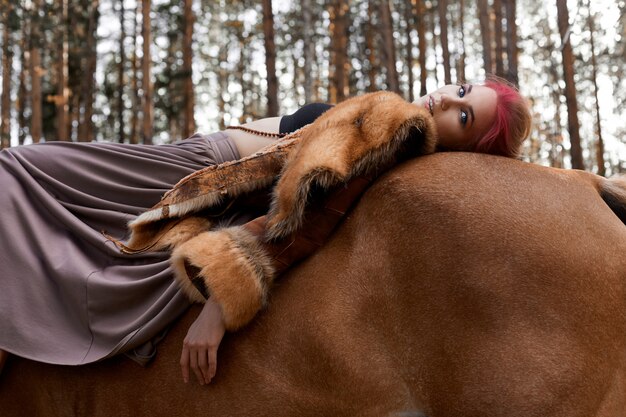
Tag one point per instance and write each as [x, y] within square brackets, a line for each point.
[212, 362]
[203, 364]
[193, 362]
[198, 360]
[184, 363]
[201, 343]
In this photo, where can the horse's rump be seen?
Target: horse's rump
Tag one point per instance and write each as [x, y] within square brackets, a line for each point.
[461, 284]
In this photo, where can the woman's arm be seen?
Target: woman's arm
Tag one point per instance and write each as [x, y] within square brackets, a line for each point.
[201, 343]
[199, 353]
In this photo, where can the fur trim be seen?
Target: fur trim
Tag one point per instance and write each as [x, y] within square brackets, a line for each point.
[169, 234]
[235, 268]
[361, 136]
[208, 188]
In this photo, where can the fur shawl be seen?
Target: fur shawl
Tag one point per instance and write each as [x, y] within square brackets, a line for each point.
[362, 135]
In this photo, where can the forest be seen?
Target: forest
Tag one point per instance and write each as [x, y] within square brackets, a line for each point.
[155, 71]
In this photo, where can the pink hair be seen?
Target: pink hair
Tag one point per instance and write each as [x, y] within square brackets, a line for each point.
[511, 125]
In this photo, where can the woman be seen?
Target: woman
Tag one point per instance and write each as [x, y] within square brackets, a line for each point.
[75, 299]
[491, 118]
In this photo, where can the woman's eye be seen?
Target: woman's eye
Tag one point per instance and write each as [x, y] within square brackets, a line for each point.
[461, 91]
[463, 117]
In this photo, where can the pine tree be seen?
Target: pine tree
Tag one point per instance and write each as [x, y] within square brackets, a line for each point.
[146, 83]
[61, 99]
[570, 87]
[35, 71]
[599, 154]
[270, 59]
[189, 122]
[485, 31]
[442, 7]
[389, 47]
[511, 41]
[85, 126]
[8, 21]
[421, 37]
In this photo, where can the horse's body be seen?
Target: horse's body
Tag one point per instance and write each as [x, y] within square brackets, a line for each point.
[461, 285]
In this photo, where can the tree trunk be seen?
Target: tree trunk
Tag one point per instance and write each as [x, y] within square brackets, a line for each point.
[442, 7]
[62, 97]
[270, 59]
[511, 41]
[421, 38]
[190, 124]
[120, 77]
[22, 93]
[63, 86]
[222, 79]
[35, 73]
[556, 134]
[460, 76]
[146, 83]
[430, 25]
[74, 114]
[410, 23]
[134, 120]
[7, 64]
[241, 71]
[389, 47]
[570, 87]
[371, 47]
[297, 80]
[170, 84]
[309, 49]
[85, 127]
[600, 142]
[339, 45]
[498, 35]
[74, 64]
[485, 32]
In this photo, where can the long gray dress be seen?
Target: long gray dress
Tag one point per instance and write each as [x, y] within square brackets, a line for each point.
[67, 295]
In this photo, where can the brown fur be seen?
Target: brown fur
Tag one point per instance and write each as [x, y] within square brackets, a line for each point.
[361, 136]
[461, 285]
[214, 187]
[236, 271]
[170, 234]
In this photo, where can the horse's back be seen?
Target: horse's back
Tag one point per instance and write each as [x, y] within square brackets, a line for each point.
[460, 285]
[522, 284]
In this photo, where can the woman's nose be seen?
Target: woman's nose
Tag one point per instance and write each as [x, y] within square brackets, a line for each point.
[446, 101]
[443, 100]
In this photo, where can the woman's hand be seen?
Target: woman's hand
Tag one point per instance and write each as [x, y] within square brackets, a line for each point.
[201, 343]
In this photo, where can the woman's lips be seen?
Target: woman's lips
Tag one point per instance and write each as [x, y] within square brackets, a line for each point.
[429, 105]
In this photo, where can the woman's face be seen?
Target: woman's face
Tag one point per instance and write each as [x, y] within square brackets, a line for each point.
[462, 113]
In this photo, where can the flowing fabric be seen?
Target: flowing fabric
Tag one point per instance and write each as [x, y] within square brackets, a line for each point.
[68, 296]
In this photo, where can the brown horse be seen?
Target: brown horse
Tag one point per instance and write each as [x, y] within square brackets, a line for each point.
[461, 285]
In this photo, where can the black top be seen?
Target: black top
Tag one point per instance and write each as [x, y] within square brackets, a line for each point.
[302, 117]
